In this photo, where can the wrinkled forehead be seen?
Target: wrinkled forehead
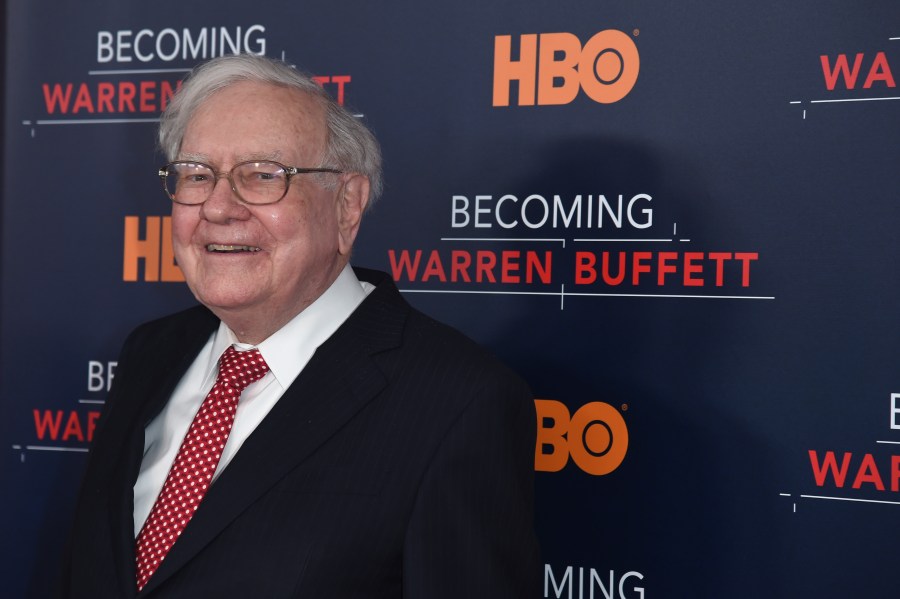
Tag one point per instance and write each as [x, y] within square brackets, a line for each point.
[250, 113]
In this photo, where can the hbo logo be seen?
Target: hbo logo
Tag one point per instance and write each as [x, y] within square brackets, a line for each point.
[595, 436]
[556, 66]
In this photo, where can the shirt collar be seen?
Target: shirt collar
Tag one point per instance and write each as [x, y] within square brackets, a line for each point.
[288, 350]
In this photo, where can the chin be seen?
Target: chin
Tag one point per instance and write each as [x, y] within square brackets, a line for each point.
[227, 299]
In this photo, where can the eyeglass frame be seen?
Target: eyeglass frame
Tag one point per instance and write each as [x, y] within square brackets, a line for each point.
[290, 171]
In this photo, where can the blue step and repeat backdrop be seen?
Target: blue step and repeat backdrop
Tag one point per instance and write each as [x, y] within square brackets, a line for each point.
[676, 219]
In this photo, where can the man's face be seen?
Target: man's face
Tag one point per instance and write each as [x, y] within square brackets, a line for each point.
[286, 254]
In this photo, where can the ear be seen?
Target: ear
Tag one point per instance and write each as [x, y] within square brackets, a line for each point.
[352, 200]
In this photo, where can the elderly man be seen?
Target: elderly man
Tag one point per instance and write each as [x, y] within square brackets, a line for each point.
[304, 432]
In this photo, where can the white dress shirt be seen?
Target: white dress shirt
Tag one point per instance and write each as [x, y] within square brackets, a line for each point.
[287, 351]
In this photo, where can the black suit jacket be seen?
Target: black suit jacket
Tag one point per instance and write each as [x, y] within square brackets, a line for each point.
[399, 463]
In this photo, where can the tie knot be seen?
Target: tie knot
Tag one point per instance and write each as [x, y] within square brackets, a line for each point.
[237, 369]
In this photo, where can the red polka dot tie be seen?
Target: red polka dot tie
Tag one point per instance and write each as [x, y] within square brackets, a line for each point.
[193, 468]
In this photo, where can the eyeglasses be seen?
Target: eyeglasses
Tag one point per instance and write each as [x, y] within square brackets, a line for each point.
[254, 182]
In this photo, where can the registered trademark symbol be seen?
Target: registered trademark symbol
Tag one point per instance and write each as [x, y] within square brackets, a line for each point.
[636, 32]
[624, 407]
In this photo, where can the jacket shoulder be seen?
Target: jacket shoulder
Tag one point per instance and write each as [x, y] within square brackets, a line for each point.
[173, 328]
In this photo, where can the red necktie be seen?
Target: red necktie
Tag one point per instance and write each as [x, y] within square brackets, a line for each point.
[193, 468]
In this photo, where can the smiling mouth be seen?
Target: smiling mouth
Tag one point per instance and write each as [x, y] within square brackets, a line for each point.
[220, 248]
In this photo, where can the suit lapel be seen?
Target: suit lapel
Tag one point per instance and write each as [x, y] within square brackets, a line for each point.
[140, 400]
[340, 379]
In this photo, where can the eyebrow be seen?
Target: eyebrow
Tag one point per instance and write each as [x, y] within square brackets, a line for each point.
[204, 158]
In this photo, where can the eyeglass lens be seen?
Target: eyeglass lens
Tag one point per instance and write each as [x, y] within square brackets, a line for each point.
[256, 182]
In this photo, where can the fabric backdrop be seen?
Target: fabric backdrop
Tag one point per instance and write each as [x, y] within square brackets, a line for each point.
[676, 220]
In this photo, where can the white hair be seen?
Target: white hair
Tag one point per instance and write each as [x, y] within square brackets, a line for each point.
[350, 146]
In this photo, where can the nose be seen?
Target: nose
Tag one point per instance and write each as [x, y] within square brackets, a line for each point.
[223, 204]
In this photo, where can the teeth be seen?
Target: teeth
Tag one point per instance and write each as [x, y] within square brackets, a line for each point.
[218, 247]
